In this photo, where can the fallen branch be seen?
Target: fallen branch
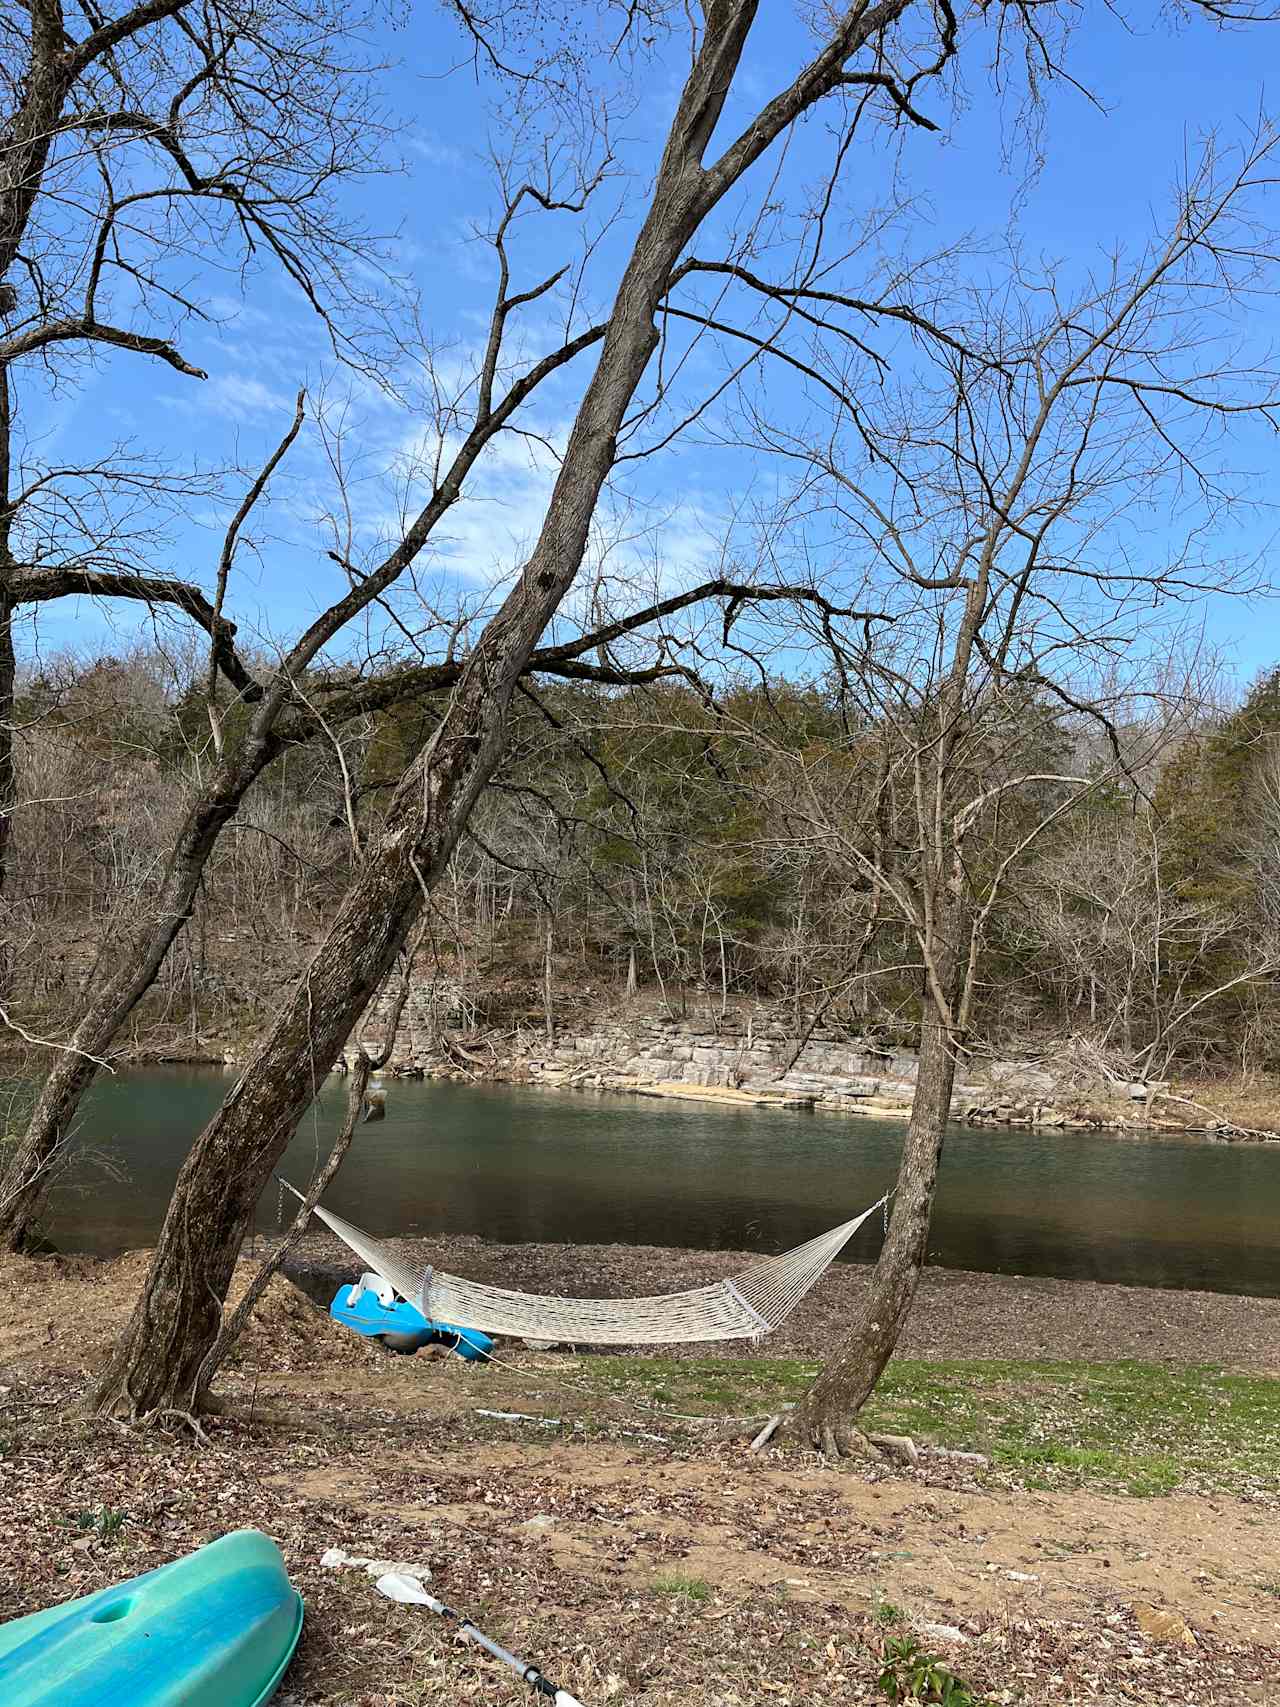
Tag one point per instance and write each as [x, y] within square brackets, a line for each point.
[518, 1417]
[767, 1433]
[1221, 1124]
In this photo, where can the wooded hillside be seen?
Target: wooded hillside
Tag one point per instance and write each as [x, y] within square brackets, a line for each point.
[665, 838]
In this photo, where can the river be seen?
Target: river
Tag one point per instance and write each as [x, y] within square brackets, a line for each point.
[601, 1168]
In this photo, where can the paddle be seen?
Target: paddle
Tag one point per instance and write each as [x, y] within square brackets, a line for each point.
[410, 1592]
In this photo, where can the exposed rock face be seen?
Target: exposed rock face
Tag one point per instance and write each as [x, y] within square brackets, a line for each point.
[753, 1056]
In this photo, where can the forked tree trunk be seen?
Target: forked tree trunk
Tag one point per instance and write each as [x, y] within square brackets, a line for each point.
[826, 1416]
[176, 1321]
[358, 1084]
[234, 1324]
[157, 1362]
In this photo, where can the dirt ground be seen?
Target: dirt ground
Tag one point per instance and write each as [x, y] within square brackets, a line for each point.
[639, 1561]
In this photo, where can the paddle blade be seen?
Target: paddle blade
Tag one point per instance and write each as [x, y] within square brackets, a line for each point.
[396, 1586]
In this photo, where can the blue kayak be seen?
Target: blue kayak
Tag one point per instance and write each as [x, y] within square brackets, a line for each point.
[371, 1308]
[215, 1629]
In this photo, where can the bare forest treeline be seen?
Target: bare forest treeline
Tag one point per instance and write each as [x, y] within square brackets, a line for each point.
[661, 841]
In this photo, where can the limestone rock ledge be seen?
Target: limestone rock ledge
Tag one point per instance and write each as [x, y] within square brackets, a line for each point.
[754, 1060]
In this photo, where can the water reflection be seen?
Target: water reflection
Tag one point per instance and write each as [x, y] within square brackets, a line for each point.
[597, 1168]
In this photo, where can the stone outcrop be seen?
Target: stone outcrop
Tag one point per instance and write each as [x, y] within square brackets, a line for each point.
[751, 1057]
[755, 1057]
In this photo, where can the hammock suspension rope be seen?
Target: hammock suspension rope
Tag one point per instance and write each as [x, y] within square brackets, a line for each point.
[749, 1305]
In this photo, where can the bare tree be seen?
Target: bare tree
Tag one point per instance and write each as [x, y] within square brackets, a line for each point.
[1265, 784]
[143, 148]
[291, 699]
[279, 706]
[996, 526]
[1136, 960]
[159, 1357]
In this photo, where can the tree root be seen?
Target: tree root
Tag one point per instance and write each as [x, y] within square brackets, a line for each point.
[837, 1438]
[132, 1421]
[187, 1417]
[739, 1428]
[899, 1446]
[834, 1439]
[767, 1433]
[843, 1440]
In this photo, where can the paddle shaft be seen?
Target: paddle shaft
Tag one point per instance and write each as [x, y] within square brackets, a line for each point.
[469, 1632]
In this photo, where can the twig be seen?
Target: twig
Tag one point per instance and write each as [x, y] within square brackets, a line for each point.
[48, 1042]
[519, 1417]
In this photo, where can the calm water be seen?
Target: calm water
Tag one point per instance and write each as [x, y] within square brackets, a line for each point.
[599, 1168]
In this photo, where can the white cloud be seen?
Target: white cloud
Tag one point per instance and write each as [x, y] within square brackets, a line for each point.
[239, 397]
[433, 151]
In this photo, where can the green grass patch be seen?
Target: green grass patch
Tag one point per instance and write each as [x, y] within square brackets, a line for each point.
[682, 1587]
[887, 1613]
[1143, 1428]
[104, 1521]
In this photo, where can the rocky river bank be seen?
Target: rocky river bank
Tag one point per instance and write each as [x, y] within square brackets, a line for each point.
[757, 1058]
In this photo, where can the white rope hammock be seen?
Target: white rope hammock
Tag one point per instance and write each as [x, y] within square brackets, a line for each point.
[748, 1306]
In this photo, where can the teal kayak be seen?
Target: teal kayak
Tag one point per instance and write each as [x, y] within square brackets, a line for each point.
[215, 1629]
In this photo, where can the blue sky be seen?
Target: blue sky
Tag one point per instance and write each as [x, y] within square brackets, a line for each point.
[1106, 171]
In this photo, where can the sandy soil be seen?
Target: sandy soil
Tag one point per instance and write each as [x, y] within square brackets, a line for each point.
[567, 1542]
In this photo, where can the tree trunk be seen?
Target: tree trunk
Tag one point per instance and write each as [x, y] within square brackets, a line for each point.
[30, 128]
[8, 684]
[137, 961]
[825, 1416]
[157, 1362]
[233, 1326]
[8, 789]
[547, 986]
[365, 1065]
